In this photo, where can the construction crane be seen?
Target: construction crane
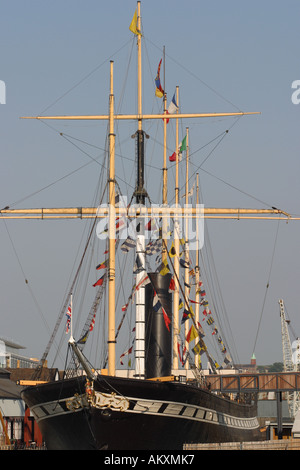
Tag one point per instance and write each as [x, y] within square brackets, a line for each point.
[7, 440]
[291, 360]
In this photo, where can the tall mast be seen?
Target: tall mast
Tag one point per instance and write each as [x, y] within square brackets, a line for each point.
[112, 235]
[140, 195]
[197, 272]
[176, 258]
[186, 250]
[140, 236]
[139, 47]
[165, 175]
[164, 254]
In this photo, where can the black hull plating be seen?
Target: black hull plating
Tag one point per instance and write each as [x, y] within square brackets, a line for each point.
[136, 415]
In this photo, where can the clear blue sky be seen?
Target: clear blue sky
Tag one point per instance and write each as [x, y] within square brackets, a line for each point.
[224, 56]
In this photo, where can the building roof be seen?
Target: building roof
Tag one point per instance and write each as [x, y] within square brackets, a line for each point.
[8, 388]
[12, 344]
[26, 373]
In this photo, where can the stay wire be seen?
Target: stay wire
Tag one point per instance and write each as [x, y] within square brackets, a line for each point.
[196, 77]
[267, 286]
[84, 78]
[25, 277]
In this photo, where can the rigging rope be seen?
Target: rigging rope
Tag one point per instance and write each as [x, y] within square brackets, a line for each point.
[25, 277]
[267, 286]
[85, 78]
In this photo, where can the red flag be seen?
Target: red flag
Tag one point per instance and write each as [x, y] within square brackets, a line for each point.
[172, 285]
[92, 323]
[159, 92]
[99, 282]
[166, 318]
[102, 265]
[129, 351]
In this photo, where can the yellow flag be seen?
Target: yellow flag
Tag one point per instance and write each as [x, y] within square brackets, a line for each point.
[192, 334]
[197, 349]
[158, 93]
[133, 24]
[164, 268]
[172, 251]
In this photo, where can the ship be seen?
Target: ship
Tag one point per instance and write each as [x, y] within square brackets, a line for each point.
[164, 402]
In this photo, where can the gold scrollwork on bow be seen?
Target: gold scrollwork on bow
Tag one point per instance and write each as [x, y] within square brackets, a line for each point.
[78, 401]
[110, 400]
[98, 400]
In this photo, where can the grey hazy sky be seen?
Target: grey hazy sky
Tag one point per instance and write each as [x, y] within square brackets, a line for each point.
[225, 56]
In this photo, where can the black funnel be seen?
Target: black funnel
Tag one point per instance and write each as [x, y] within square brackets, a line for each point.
[158, 354]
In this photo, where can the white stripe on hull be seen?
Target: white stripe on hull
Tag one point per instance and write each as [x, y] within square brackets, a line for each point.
[166, 409]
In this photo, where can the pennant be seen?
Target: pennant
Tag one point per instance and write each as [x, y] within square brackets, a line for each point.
[182, 145]
[164, 268]
[173, 106]
[148, 225]
[83, 339]
[166, 318]
[172, 285]
[200, 330]
[227, 360]
[181, 148]
[133, 25]
[180, 304]
[210, 321]
[143, 282]
[128, 244]
[120, 224]
[198, 349]
[154, 247]
[195, 302]
[190, 193]
[179, 353]
[185, 316]
[69, 316]
[129, 351]
[156, 303]
[99, 282]
[184, 264]
[159, 92]
[92, 323]
[206, 312]
[192, 334]
[102, 265]
[172, 251]
[192, 273]
[157, 306]
[185, 356]
[138, 267]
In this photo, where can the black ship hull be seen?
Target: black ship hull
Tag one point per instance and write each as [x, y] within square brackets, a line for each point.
[130, 414]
